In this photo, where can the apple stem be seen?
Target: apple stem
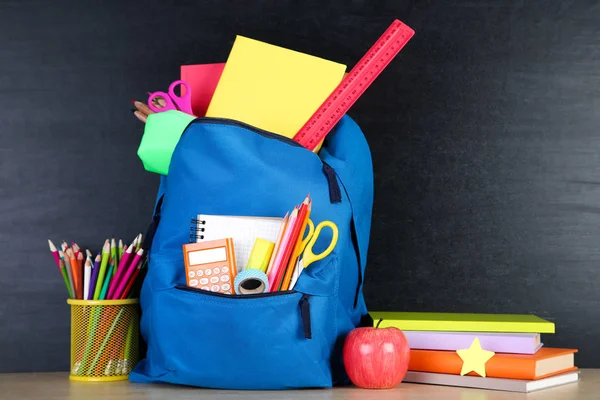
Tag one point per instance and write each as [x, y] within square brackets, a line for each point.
[380, 319]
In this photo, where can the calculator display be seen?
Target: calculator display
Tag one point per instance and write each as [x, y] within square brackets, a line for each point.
[207, 256]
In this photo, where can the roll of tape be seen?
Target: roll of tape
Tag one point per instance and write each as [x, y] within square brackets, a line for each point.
[251, 281]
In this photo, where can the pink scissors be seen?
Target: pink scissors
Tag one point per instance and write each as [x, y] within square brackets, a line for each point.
[174, 102]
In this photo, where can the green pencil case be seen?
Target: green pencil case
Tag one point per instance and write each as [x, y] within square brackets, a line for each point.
[161, 134]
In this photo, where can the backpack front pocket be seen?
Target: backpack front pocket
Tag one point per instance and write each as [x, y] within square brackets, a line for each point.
[245, 342]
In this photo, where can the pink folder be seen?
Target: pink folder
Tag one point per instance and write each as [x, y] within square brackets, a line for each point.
[203, 80]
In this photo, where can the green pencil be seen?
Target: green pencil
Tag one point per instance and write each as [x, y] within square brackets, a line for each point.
[102, 273]
[121, 250]
[139, 242]
[63, 272]
[109, 275]
[113, 254]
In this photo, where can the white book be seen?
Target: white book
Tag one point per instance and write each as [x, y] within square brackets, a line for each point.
[510, 385]
[244, 230]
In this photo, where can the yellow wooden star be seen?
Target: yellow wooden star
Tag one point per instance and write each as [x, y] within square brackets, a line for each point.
[474, 358]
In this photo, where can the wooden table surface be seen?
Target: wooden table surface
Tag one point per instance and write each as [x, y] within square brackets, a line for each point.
[51, 386]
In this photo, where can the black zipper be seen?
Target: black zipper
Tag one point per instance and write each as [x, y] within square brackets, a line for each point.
[151, 231]
[305, 315]
[236, 296]
[334, 187]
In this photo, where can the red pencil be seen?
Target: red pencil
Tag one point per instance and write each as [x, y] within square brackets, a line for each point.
[290, 244]
[131, 282]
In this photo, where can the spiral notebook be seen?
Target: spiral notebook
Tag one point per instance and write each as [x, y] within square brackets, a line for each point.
[244, 231]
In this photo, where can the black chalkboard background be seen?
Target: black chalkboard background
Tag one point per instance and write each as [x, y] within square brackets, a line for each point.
[483, 132]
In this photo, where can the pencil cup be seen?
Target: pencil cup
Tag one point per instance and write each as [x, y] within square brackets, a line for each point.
[104, 339]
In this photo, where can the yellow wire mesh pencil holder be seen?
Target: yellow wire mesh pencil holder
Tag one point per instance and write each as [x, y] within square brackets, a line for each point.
[104, 339]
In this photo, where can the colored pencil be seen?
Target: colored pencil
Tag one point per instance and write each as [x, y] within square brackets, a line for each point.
[54, 252]
[88, 253]
[94, 278]
[120, 271]
[139, 242]
[63, 272]
[130, 270]
[102, 273]
[113, 253]
[142, 117]
[107, 279]
[134, 242]
[296, 251]
[121, 249]
[76, 248]
[77, 273]
[278, 257]
[278, 242]
[87, 274]
[131, 282]
[69, 275]
[64, 246]
[287, 248]
[80, 262]
[142, 107]
[291, 245]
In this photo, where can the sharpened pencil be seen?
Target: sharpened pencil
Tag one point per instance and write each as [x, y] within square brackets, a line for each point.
[87, 274]
[94, 278]
[102, 273]
[69, 271]
[54, 252]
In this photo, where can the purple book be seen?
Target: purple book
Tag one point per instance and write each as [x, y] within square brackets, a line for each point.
[518, 343]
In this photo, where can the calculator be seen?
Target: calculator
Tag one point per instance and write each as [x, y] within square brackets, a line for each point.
[210, 265]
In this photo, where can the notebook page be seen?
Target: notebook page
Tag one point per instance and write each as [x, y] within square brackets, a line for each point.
[244, 231]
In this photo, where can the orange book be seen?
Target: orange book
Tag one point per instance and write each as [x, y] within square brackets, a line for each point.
[546, 362]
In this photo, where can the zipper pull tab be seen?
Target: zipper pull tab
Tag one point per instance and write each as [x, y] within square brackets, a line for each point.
[335, 195]
[305, 314]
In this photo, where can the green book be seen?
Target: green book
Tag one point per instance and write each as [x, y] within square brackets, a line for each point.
[455, 322]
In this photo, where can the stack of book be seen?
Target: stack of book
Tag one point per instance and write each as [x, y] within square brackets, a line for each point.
[486, 351]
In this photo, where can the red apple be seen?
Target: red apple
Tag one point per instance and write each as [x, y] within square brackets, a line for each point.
[376, 358]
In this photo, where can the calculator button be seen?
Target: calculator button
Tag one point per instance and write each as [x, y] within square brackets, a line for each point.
[205, 288]
[225, 278]
[217, 270]
[208, 272]
[224, 269]
[199, 272]
[214, 279]
[203, 281]
[226, 286]
[192, 274]
[215, 288]
[194, 282]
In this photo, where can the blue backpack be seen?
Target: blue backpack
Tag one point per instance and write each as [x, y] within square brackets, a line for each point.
[280, 340]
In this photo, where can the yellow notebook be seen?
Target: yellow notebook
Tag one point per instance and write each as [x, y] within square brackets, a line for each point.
[273, 88]
[454, 322]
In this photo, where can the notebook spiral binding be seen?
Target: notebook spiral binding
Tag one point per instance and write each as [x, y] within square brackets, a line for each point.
[195, 230]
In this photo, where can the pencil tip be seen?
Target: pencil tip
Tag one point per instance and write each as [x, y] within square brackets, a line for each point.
[132, 101]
